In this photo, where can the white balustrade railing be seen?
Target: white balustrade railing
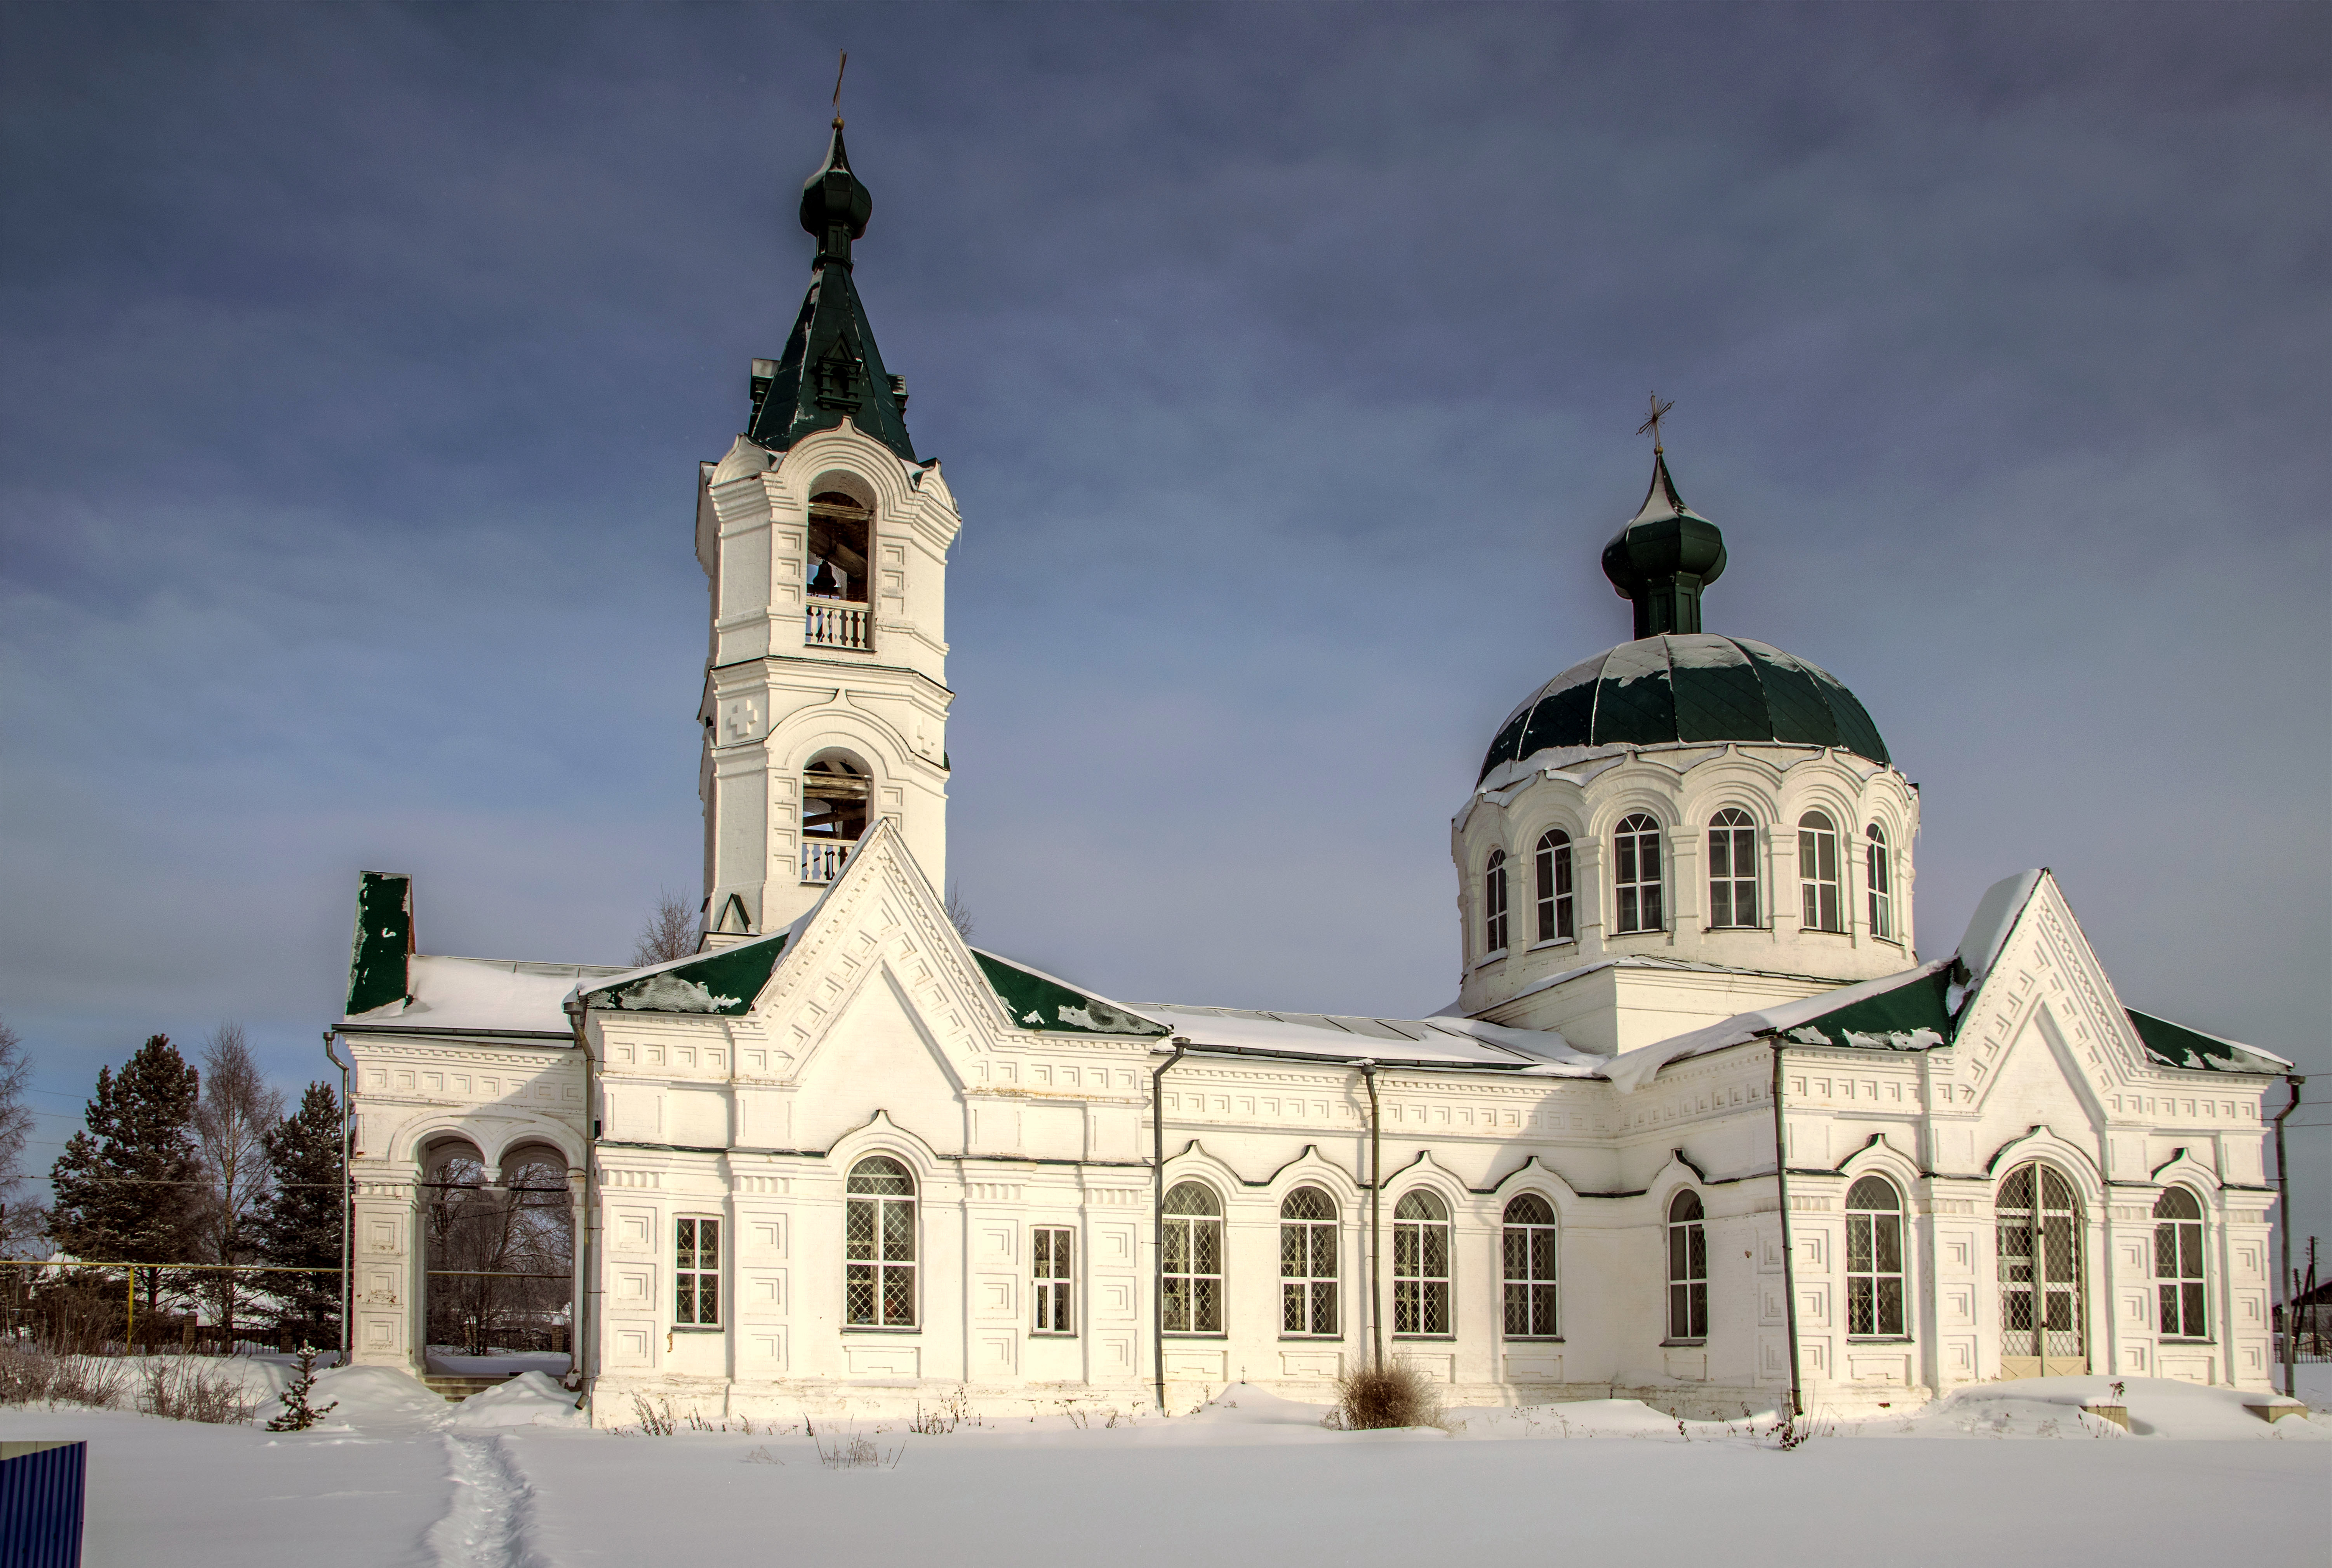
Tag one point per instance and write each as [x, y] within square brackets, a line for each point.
[837, 624]
[822, 859]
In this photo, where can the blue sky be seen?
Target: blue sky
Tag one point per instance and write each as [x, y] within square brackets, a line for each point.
[1285, 359]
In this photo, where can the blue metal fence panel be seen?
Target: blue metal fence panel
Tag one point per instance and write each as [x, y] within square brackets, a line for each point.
[41, 1503]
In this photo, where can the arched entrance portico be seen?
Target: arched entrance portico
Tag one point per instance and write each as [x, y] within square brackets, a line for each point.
[498, 1248]
[2043, 1304]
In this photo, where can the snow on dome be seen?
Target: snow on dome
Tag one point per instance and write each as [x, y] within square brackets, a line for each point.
[1687, 687]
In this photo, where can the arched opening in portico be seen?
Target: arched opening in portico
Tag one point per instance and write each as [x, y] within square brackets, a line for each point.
[500, 1251]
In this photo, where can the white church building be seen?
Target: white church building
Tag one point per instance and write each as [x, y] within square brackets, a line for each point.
[1702, 1127]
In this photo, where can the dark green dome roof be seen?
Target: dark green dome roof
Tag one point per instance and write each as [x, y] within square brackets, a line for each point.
[1692, 687]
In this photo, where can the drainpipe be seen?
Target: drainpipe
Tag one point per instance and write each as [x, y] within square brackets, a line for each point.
[578, 1322]
[2283, 1215]
[1157, 1216]
[1376, 1216]
[1789, 1253]
[347, 1284]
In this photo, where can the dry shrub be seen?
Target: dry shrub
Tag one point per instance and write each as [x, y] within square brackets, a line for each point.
[1393, 1394]
[32, 1376]
[181, 1390]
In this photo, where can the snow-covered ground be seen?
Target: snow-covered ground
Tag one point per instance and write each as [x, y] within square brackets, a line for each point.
[2011, 1472]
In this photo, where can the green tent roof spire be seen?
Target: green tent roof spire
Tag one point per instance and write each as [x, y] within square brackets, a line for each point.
[831, 369]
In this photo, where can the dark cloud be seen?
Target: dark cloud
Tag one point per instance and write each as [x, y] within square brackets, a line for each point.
[1283, 359]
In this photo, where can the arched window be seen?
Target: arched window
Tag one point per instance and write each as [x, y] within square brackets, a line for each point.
[2178, 1264]
[1193, 1262]
[1688, 1269]
[1555, 917]
[1881, 877]
[878, 1245]
[1731, 869]
[1420, 1266]
[1874, 1259]
[1494, 902]
[835, 794]
[1530, 1260]
[1817, 872]
[1307, 1262]
[1636, 877]
[2039, 1219]
[834, 599]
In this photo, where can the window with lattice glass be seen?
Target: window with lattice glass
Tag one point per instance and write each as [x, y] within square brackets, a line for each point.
[2178, 1264]
[1688, 1269]
[1731, 869]
[1529, 1246]
[1192, 1262]
[1420, 1266]
[696, 1274]
[1878, 871]
[1050, 1249]
[1494, 902]
[1818, 873]
[1307, 1263]
[1635, 873]
[1556, 919]
[1874, 1259]
[2038, 1220]
[878, 1245]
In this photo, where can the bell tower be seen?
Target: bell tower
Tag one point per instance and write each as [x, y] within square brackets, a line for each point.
[825, 539]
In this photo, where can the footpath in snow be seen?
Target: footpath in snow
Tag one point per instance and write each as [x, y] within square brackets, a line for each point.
[396, 1477]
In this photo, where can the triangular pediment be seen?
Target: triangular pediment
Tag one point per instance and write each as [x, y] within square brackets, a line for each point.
[2042, 993]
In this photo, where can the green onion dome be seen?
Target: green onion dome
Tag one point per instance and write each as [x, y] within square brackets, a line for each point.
[1692, 688]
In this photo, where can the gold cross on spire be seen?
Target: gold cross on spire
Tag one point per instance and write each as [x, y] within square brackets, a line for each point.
[1652, 427]
[838, 88]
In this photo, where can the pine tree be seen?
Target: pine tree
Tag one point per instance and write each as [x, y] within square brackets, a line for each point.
[128, 1187]
[298, 1226]
[298, 1415]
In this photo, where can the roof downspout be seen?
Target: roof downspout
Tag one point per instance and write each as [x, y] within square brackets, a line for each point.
[1158, 1217]
[2283, 1219]
[1789, 1252]
[348, 1290]
[579, 1343]
[1376, 1216]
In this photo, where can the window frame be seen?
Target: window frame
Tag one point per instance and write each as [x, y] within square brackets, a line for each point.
[1732, 834]
[1493, 905]
[1418, 1297]
[1537, 1289]
[1192, 1227]
[1305, 1288]
[1822, 900]
[2182, 1295]
[1556, 888]
[1878, 874]
[1874, 1227]
[688, 1264]
[882, 1269]
[1688, 1269]
[1052, 1281]
[1634, 893]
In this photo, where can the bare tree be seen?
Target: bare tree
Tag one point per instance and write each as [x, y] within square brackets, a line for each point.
[503, 1255]
[670, 933]
[959, 913]
[15, 1116]
[232, 1119]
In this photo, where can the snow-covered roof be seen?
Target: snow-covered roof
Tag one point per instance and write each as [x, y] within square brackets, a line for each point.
[1048, 1005]
[483, 996]
[1437, 1042]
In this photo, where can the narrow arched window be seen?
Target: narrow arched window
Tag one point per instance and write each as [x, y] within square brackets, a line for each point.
[1192, 1244]
[1688, 1269]
[1731, 869]
[1817, 872]
[1307, 1262]
[1635, 872]
[1555, 921]
[835, 612]
[1530, 1260]
[1494, 902]
[2178, 1264]
[1874, 1259]
[1420, 1266]
[837, 792]
[1881, 874]
[878, 1245]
